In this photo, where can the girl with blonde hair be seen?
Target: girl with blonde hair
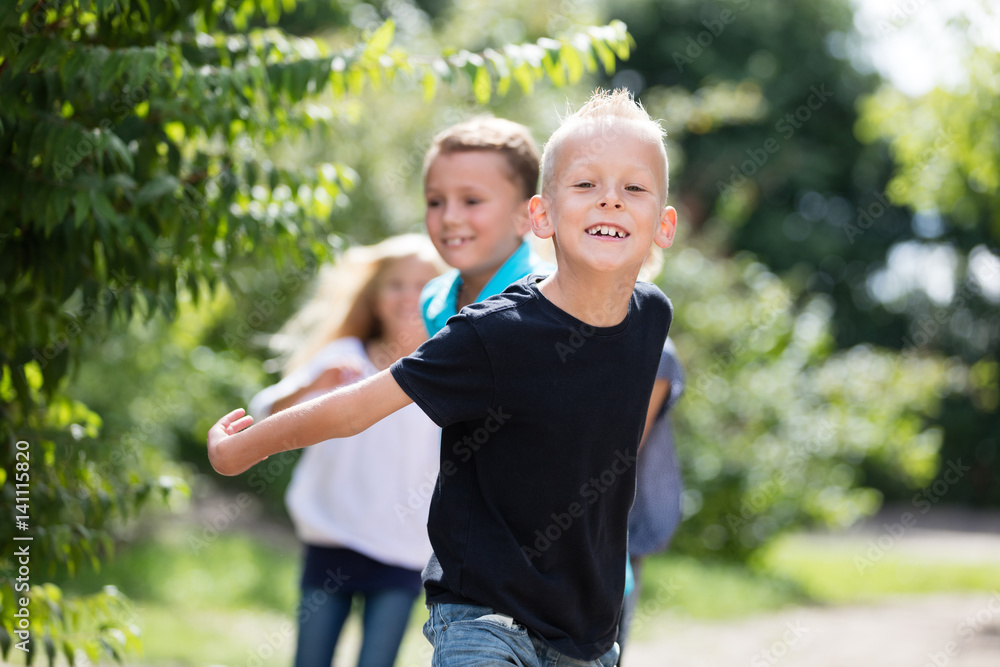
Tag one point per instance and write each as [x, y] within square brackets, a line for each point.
[363, 526]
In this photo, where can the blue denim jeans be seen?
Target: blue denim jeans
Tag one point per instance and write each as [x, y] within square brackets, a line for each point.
[322, 615]
[470, 635]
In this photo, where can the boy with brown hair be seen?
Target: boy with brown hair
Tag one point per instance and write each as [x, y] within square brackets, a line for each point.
[478, 178]
[542, 394]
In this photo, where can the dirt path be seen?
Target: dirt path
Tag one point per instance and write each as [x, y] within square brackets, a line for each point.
[926, 631]
[941, 630]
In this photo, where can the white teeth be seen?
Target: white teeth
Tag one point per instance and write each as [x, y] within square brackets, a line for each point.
[604, 230]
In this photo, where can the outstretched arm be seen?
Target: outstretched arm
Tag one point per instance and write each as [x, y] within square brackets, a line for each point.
[233, 448]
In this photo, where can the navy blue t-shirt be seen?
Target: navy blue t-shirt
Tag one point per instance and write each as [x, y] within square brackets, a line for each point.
[542, 416]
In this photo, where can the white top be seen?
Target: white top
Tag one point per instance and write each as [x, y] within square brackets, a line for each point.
[370, 492]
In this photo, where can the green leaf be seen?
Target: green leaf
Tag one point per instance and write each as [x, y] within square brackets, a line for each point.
[604, 54]
[525, 78]
[554, 70]
[81, 207]
[60, 203]
[109, 71]
[429, 82]
[50, 648]
[28, 56]
[5, 642]
[355, 81]
[574, 65]
[158, 186]
[103, 209]
[501, 69]
[120, 181]
[121, 155]
[380, 40]
[481, 85]
[619, 40]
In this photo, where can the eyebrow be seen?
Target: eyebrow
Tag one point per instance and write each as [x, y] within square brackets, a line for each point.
[645, 171]
[461, 190]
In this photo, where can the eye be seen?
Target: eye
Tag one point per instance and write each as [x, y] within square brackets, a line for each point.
[583, 184]
[635, 188]
[472, 201]
[433, 203]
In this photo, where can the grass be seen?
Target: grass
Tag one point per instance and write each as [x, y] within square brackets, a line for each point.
[233, 571]
[175, 635]
[856, 570]
[689, 587]
[232, 601]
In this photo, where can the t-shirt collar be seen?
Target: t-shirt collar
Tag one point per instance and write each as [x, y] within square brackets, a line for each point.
[442, 293]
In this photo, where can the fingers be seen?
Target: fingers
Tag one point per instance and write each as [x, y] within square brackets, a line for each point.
[234, 422]
[239, 425]
[228, 419]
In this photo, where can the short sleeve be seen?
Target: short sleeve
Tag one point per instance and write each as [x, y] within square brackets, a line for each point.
[450, 376]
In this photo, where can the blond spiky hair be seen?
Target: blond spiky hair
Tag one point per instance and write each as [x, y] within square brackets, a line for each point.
[612, 113]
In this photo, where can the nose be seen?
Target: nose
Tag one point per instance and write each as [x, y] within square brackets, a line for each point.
[451, 214]
[610, 199]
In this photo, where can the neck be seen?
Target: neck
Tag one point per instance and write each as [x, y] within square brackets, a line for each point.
[470, 289]
[599, 300]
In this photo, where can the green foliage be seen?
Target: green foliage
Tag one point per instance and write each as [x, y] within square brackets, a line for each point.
[947, 148]
[775, 428]
[78, 490]
[136, 139]
[945, 145]
[96, 625]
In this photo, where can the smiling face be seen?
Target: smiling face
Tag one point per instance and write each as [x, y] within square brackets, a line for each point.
[604, 203]
[476, 215]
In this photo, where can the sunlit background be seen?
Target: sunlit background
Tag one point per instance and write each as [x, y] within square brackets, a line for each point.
[166, 202]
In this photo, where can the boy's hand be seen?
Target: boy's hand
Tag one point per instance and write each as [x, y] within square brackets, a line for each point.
[231, 424]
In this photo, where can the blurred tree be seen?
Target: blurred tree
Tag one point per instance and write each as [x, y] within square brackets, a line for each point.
[777, 428]
[946, 149]
[135, 139]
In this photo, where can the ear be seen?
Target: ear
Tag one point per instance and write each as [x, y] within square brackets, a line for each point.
[664, 236]
[538, 216]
